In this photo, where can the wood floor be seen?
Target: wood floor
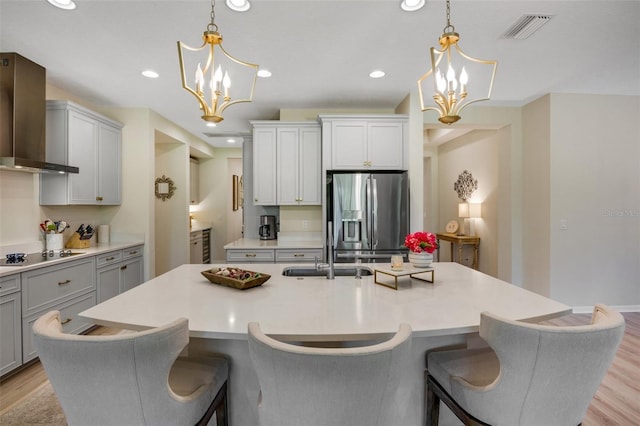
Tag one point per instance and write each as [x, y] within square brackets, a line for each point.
[617, 401]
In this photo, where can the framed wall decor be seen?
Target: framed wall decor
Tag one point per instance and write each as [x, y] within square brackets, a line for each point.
[164, 187]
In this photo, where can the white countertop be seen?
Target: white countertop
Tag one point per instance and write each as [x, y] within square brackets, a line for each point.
[255, 244]
[319, 309]
[91, 251]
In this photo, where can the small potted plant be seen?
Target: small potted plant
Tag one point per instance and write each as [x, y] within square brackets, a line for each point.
[421, 246]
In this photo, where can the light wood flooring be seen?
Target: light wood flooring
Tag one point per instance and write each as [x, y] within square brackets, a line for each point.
[617, 401]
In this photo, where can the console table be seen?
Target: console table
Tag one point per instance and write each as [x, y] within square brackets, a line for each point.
[460, 241]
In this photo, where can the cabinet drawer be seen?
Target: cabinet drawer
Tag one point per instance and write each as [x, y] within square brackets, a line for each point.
[130, 252]
[300, 255]
[46, 287]
[9, 284]
[71, 322]
[250, 256]
[108, 258]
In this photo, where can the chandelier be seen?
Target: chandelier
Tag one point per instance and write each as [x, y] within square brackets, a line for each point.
[452, 70]
[213, 79]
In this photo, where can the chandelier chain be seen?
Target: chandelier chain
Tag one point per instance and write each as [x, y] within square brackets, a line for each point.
[212, 25]
[449, 28]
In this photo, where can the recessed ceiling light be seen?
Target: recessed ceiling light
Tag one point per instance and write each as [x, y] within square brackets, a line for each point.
[211, 124]
[239, 5]
[231, 140]
[63, 4]
[264, 73]
[150, 74]
[376, 74]
[412, 5]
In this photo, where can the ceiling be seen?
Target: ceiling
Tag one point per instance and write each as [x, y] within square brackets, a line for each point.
[319, 51]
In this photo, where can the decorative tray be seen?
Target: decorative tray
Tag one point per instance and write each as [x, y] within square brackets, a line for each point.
[235, 277]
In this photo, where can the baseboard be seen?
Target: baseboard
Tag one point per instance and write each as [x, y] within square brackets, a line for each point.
[619, 308]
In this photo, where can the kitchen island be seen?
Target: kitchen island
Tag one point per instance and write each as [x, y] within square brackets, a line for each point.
[314, 309]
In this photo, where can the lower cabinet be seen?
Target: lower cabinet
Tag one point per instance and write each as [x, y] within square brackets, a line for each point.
[118, 271]
[289, 255]
[10, 323]
[68, 287]
[298, 256]
[250, 256]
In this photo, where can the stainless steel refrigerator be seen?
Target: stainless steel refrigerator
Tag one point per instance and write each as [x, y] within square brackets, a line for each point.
[369, 213]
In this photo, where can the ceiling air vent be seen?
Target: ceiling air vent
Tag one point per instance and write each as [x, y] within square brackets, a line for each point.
[526, 26]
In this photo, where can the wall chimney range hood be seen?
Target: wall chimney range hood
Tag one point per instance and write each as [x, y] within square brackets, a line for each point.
[23, 117]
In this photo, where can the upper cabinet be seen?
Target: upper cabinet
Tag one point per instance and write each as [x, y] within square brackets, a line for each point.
[194, 181]
[365, 142]
[286, 163]
[93, 143]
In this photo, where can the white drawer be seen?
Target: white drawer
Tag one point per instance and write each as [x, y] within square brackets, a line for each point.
[71, 322]
[298, 256]
[130, 252]
[250, 256]
[108, 258]
[9, 284]
[45, 287]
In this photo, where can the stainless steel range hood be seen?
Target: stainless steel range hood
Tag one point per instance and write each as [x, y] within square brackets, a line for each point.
[23, 117]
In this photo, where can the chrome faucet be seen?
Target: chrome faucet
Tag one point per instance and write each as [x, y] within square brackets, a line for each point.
[329, 265]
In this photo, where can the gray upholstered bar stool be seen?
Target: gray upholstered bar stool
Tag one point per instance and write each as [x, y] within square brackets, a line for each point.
[131, 379]
[310, 386]
[531, 374]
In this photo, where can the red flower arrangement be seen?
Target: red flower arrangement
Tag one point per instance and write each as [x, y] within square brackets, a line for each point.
[421, 241]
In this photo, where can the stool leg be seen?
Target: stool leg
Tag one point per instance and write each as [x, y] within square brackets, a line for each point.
[432, 404]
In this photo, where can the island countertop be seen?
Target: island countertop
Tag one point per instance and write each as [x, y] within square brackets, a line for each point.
[315, 308]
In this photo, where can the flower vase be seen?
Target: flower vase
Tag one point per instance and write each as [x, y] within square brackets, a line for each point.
[420, 260]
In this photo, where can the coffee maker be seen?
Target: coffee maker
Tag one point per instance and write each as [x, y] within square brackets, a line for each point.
[267, 229]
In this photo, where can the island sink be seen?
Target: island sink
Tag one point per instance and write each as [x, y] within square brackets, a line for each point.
[340, 271]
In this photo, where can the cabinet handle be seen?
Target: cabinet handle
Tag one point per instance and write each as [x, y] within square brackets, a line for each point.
[64, 282]
[255, 199]
[122, 268]
[68, 320]
[250, 255]
[110, 258]
[98, 198]
[131, 253]
[298, 255]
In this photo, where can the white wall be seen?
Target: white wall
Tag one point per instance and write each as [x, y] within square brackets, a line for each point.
[595, 189]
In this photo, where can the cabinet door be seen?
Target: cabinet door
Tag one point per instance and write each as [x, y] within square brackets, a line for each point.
[349, 145]
[310, 173]
[264, 166]
[196, 253]
[287, 165]
[10, 332]
[109, 166]
[83, 146]
[108, 282]
[385, 145]
[131, 273]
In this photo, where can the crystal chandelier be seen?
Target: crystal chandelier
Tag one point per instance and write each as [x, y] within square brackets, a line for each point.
[213, 79]
[452, 70]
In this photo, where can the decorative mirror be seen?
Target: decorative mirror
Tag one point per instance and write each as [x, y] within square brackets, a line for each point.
[164, 187]
[465, 185]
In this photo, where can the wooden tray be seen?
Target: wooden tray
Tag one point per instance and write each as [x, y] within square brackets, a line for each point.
[259, 279]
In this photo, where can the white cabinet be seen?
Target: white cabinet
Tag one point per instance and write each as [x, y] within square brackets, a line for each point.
[10, 323]
[298, 173]
[90, 141]
[196, 247]
[286, 163]
[118, 271]
[194, 181]
[68, 287]
[264, 166]
[365, 142]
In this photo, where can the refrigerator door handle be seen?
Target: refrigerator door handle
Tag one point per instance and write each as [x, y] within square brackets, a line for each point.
[374, 213]
[368, 210]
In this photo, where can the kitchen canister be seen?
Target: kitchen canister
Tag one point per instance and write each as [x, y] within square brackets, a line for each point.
[103, 234]
[54, 242]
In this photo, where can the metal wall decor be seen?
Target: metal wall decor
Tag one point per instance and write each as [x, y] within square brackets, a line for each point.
[465, 185]
[164, 187]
